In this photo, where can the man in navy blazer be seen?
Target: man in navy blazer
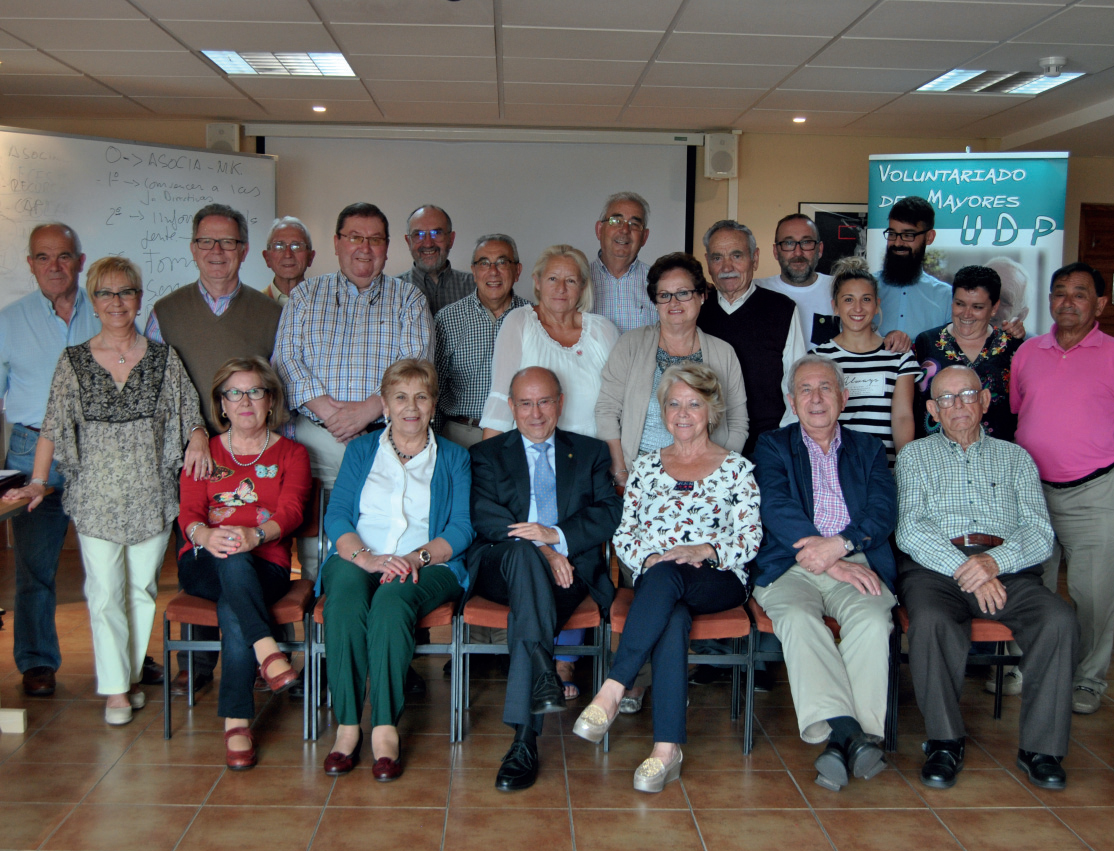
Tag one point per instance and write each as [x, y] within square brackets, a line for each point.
[542, 504]
[829, 505]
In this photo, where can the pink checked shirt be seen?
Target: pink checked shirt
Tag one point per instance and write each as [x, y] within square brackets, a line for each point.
[829, 512]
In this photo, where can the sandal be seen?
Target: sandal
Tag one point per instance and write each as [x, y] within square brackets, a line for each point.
[279, 682]
[239, 760]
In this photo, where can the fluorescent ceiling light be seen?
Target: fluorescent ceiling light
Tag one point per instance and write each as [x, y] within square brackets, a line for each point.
[947, 82]
[281, 64]
[1043, 84]
[996, 82]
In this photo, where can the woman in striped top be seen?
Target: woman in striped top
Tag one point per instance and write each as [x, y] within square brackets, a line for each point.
[880, 382]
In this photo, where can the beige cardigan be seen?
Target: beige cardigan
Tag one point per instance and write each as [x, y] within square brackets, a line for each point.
[628, 377]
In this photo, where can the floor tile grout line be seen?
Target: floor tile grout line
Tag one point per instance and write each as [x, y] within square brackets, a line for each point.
[568, 793]
[1056, 816]
[920, 794]
[692, 814]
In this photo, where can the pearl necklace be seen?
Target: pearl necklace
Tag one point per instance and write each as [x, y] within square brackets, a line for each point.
[402, 455]
[237, 461]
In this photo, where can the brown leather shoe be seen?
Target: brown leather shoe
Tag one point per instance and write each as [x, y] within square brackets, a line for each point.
[337, 763]
[239, 760]
[39, 681]
[180, 685]
[386, 769]
[279, 682]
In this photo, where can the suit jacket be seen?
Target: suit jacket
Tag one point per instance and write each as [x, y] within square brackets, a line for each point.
[784, 475]
[588, 508]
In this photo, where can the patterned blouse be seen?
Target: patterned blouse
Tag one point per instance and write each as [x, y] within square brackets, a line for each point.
[721, 509]
[937, 349]
[120, 450]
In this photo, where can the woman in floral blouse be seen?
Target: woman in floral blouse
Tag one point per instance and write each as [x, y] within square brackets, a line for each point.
[690, 525]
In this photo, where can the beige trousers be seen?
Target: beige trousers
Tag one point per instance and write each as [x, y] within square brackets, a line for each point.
[325, 455]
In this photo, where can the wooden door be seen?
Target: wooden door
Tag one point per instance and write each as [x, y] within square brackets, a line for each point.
[1096, 246]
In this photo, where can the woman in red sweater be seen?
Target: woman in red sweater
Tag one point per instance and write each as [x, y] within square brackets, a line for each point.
[238, 526]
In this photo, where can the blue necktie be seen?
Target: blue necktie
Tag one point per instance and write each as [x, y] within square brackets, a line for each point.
[545, 487]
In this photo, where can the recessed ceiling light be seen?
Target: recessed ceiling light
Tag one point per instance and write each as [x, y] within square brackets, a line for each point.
[800, 119]
[281, 64]
[947, 82]
[319, 109]
[1043, 84]
[968, 82]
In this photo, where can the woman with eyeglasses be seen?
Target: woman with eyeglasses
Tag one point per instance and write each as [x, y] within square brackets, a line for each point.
[122, 418]
[238, 525]
[628, 415]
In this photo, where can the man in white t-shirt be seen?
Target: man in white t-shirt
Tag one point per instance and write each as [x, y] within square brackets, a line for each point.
[798, 250]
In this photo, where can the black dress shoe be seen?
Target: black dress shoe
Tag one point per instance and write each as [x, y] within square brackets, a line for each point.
[519, 769]
[152, 672]
[705, 675]
[39, 681]
[1043, 770]
[945, 761]
[180, 685]
[415, 685]
[831, 768]
[864, 757]
[548, 695]
[763, 680]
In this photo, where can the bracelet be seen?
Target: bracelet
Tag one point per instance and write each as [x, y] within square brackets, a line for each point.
[39, 482]
[355, 553]
[204, 430]
[190, 532]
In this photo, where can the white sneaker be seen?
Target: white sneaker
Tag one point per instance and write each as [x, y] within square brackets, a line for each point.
[1011, 683]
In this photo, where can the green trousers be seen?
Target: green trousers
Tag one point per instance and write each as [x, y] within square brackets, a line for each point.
[369, 634]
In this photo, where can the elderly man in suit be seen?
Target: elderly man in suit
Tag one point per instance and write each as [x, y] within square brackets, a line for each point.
[542, 504]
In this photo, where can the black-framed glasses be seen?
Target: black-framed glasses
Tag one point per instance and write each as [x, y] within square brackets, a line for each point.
[500, 263]
[233, 394]
[126, 294]
[617, 221]
[360, 239]
[206, 243]
[662, 297]
[293, 246]
[432, 233]
[967, 397]
[905, 236]
[791, 244]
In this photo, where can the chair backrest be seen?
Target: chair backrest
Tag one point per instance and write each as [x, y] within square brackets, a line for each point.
[311, 517]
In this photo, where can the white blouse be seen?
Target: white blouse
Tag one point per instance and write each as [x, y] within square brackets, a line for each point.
[523, 342]
[394, 502]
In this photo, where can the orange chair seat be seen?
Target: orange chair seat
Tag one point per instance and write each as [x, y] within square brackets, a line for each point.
[982, 629]
[732, 623]
[441, 616]
[482, 612]
[764, 624]
[185, 608]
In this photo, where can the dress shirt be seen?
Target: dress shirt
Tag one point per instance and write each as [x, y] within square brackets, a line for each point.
[32, 337]
[217, 304]
[562, 546]
[794, 345]
[335, 340]
[992, 488]
[447, 287]
[1064, 401]
[465, 344]
[274, 292]
[925, 303]
[829, 511]
[623, 300]
[394, 501]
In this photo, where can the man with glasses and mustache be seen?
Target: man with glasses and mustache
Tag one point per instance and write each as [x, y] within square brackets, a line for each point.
[289, 253]
[618, 276]
[430, 235]
[798, 250]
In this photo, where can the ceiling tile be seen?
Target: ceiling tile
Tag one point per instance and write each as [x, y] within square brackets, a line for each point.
[336, 110]
[857, 79]
[73, 34]
[478, 12]
[71, 85]
[404, 90]
[466, 69]
[229, 10]
[741, 49]
[133, 63]
[565, 93]
[1002, 124]
[706, 74]
[579, 44]
[676, 96]
[592, 14]
[925, 103]
[689, 119]
[387, 40]
[10, 42]
[1018, 56]
[561, 115]
[973, 21]
[898, 53]
[114, 9]
[520, 70]
[301, 87]
[803, 101]
[37, 106]
[31, 62]
[445, 112]
[892, 124]
[781, 121]
[265, 35]
[216, 109]
[785, 17]
[1087, 25]
[152, 86]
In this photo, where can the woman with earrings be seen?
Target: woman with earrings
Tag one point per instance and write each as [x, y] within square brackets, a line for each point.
[238, 524]
[122, 418]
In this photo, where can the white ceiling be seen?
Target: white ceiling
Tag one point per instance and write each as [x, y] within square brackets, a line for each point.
[847, 66]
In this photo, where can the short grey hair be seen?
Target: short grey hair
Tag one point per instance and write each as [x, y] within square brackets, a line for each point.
[496, 237]
[809, 359]
[70, 232]
[290, 222]
[703, 380]
[222, 211]
[448, 218]
[731, 224]
[633, 197]
[584, 303]
[951, 370]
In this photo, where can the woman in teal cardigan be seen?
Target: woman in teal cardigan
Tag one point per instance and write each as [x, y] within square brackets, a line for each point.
[399, 519]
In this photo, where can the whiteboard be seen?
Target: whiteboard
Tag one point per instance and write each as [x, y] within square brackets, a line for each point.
[540, 193]
[126, 198]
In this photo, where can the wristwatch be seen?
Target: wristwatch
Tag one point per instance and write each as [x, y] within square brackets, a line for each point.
[847, 545]
[424, 557]
[262, 535]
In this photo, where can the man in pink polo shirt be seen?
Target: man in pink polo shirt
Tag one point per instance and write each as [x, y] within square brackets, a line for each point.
[1062, 390]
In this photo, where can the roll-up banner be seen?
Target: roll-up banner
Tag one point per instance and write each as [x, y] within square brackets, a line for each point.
[1005, 211]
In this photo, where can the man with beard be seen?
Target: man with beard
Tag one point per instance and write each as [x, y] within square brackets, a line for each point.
[911, 299]
[798, 250]
[430, 235]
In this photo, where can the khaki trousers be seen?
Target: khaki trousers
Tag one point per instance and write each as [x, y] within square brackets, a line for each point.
[325, 455]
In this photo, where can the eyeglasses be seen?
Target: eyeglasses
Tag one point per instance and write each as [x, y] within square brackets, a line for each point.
[681, 295]
[967, 397]
[360, 239]
[545, 405]
[432, 233]
[293, 246]
[232, 394]
[126, 294]
[905, 236]
[206, 243]
[790, 244]
[617, 221]
[483, 264]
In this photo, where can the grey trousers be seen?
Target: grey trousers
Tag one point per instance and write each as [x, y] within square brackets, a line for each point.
[940, 634]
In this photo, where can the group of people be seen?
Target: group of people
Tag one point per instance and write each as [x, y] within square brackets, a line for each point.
[475, 443]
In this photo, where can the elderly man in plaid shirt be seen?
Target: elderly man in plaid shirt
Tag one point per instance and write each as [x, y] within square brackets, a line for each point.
[972, 517]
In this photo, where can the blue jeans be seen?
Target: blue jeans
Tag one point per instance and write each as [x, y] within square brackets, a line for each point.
[37, 540]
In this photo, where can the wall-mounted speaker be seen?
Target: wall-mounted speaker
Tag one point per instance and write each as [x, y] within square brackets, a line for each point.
[721, 156]
[222, 137]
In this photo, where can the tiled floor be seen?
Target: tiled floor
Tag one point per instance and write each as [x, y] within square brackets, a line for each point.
[73, 783]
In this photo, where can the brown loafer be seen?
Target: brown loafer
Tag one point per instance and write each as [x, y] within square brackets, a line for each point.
[39, 681]
[279, 682]
[180, 685]
[239, 760]
[337, 763]
[386, 769]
